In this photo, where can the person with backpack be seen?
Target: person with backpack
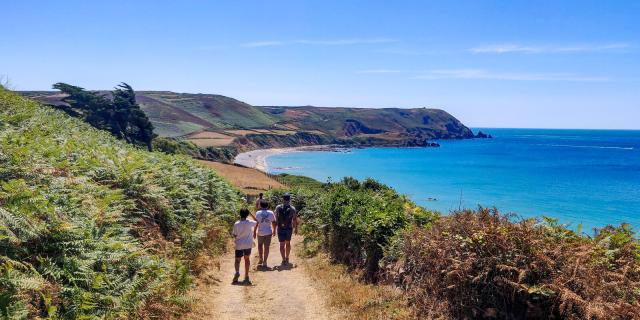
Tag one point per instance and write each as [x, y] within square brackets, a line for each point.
[287, 225]
[242, 234]
[265, 229]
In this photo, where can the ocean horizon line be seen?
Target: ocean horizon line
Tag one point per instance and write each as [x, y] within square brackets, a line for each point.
[563, 129]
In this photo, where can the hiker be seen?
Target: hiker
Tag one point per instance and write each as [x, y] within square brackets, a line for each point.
[286, 225]
[258, 201]
[265, 229]
[242, 232]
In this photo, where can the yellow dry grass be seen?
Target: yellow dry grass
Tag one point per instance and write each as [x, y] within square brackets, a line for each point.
[357, 300]
[241, 132]
[212, 142]
[250, 181]
[258, 131]
[208, 135]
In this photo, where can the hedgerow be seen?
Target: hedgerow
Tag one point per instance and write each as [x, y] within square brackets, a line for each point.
[473, 264]
[91, 227]
[356, 221]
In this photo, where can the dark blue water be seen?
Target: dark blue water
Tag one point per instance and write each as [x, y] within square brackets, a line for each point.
[588, 177]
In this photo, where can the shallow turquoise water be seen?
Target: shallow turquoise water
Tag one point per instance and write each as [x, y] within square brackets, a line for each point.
[589, 177]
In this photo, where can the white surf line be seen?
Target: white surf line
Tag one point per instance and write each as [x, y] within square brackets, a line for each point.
[592, 147]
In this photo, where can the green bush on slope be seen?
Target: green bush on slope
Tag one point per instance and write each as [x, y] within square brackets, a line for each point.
[356, 222]
[92, 227]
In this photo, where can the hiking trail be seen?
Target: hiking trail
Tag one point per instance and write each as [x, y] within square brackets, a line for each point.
[279, 293]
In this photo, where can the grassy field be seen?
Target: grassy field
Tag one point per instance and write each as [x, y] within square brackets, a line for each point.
[250, 181]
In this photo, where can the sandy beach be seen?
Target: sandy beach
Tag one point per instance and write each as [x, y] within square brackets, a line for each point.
[258, 158]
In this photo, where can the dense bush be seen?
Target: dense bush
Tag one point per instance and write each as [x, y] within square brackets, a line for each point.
[91, 227]
[481, 264]
[356, 220]
[473, 264]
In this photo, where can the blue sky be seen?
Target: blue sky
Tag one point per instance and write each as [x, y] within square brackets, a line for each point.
[544, 64]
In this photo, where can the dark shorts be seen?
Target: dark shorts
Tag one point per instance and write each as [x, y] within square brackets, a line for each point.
[242, 253]
[284, 234]
[264, 240]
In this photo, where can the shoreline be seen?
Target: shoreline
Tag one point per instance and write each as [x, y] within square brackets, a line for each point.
[257, 159]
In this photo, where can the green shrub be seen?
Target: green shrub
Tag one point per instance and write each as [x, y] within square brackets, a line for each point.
[357, 221]
[91, 227]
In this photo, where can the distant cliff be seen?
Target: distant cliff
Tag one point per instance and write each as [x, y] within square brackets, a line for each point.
[210, 120]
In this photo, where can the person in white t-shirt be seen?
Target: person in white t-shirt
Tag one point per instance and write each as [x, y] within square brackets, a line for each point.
[265, 229]
[243, 230]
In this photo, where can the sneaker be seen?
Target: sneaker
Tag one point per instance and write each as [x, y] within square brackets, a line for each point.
[235, 278]
[259, 263]
[247, 281]
[286, 261]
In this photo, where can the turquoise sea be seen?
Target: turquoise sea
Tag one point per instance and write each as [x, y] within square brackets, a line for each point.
[588, 177]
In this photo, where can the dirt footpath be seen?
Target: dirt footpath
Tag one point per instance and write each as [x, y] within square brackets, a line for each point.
[278, 293]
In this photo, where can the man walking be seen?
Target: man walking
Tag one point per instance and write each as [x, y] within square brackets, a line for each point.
[287, 224]
[265, 229]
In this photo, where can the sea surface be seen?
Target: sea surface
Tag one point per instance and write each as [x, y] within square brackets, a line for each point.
[582, 177]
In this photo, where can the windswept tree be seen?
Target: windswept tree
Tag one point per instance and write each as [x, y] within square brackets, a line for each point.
[121, 115]
[129, 118]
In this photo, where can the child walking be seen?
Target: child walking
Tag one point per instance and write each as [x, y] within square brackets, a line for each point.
[243, 231]
[265, 230]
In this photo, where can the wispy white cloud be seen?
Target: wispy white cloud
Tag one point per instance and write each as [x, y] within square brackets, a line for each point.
[517, 48]
[489, 75]
[330, 42]
[258, 44]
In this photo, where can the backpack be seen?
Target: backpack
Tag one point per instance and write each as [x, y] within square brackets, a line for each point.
[284, 216]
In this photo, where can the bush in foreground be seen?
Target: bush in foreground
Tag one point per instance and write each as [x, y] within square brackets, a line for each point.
[356, 221]
[91, 227]
[473, 264]
[481, 264]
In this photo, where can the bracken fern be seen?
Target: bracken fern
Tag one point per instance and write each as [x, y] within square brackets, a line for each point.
[91, 227]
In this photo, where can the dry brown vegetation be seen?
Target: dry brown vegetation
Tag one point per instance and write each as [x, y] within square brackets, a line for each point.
[210, 139]
[212, 142]
[208, 135]
[241, 132]
[357, 300]
[467, 265]
[250, 181]
[482, 265]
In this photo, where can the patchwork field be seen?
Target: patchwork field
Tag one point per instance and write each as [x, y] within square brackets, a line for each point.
[250, 181]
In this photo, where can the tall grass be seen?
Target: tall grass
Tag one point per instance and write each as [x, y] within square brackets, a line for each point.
[93, 228]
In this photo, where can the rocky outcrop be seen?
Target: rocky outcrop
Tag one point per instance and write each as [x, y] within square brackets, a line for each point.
[483, 135]
[354, 127]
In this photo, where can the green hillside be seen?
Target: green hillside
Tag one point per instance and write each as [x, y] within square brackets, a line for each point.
[91, 227]
[179, 114]
[205, 111]
[432, 123]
